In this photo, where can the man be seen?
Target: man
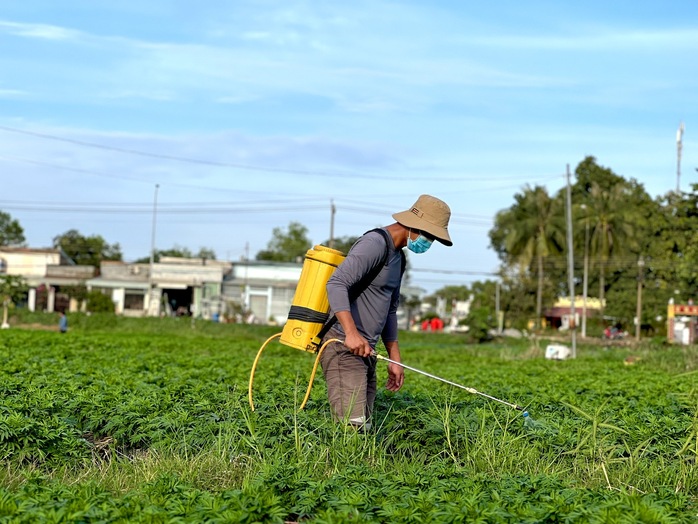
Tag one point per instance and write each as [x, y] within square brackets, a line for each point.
[350, 366]
[62, 322]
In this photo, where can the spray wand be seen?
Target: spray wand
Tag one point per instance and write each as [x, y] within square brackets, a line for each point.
[468, 389]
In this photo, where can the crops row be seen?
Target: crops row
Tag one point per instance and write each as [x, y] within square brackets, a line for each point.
[116, 425]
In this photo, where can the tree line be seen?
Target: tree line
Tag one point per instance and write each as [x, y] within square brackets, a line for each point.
[90, 250]
[622, 237]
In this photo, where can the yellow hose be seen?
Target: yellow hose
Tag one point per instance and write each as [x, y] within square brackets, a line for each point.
[254, 366]
[312, 375]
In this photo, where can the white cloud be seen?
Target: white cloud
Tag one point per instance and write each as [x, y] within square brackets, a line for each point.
[158, 96]
[12, 93]
[40, 31]
[608, 39]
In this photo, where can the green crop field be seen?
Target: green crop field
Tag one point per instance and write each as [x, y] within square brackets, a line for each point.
[148, 421]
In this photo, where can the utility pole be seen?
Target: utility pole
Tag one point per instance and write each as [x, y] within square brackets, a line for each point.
[245, 304]
[499, 314]
[333, 211]
[570, 262]
[638, 313]
[151, 295]
[679, 147]
[586, 271]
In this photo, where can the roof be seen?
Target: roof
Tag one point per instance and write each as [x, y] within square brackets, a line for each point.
[29, 250]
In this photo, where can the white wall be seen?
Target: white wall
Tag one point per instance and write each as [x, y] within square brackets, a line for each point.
[29, 264]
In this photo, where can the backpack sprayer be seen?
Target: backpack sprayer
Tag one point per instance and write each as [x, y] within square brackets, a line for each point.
[309, 313]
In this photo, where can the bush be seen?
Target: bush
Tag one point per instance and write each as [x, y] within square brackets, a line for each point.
[480, 322]
[98, 302]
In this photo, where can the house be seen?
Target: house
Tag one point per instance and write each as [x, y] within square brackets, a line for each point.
[250, 290]
[172, 286]
[46, 271]
[559, 316]
[263, 290]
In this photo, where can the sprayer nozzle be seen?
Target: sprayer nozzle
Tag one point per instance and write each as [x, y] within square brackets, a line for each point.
[525, 413]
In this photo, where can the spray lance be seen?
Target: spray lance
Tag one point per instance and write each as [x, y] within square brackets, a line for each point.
[468, 389]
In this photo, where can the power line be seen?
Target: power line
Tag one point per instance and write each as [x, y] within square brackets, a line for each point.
[201, 208]
[213, 163]
[248, 167]
[454, 271]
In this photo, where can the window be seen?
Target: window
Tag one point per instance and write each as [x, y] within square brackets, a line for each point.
[134, 299]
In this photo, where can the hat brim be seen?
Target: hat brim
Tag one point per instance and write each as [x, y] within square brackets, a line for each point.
[409, 219]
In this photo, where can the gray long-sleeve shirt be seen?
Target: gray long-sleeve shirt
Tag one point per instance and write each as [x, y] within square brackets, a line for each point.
[375, 310]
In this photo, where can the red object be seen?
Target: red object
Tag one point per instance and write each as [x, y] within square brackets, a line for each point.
[437, 324]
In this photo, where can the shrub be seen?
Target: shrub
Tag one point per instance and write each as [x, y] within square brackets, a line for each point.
[98, 302]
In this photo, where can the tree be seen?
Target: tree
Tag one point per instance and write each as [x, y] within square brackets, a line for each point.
[206, 253]
[589, 172]
[529, 232]
[287, 246]
[178, 252]
[11, 233]
[86, 251]
[613, 227]
[451, 293]
[670, 251]
[618, 214]
[12, 288]
[77, 292]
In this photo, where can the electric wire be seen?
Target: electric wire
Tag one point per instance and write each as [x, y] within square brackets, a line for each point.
[247, 167]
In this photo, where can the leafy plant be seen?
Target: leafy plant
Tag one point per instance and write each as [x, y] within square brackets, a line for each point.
[142, 420]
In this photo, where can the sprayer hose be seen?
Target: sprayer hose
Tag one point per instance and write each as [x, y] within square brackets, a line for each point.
[312, 375]
[254, 366]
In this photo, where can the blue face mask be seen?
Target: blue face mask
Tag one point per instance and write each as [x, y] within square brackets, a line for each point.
[421, 245]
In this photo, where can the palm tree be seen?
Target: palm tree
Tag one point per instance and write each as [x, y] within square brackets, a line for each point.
[612, 225]
[531, 230]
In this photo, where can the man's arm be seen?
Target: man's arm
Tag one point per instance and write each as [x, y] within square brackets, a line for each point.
[396, 373]
[354, 342]
[364, 256]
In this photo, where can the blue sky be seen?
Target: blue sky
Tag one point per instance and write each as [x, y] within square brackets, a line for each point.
[250, 115]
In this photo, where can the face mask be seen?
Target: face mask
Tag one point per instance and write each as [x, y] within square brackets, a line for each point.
[421, 245]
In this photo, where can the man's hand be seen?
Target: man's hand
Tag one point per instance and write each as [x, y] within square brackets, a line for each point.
[353, 340]
[357, 344]
[396, 377]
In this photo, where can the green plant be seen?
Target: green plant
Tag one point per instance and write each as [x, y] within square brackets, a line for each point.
[98, 302]
[143, 420]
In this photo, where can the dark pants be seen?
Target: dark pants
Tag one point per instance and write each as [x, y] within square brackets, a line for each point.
[351, 383]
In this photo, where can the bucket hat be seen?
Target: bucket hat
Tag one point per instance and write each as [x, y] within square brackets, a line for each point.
[428, 214]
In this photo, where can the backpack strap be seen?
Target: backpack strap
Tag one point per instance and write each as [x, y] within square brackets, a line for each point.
[369, 277]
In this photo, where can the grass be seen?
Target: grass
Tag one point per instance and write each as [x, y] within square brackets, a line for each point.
[145, 420]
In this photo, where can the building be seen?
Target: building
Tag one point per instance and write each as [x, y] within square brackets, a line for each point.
[171, 287]
[47, 272]
[560, 315]
[247, 291]
[263, 290]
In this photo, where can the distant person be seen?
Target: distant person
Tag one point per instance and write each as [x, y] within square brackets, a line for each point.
[349, 366]
[62, 322]
[425, 324]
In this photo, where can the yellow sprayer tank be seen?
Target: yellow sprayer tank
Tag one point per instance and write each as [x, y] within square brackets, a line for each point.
[310, 307]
